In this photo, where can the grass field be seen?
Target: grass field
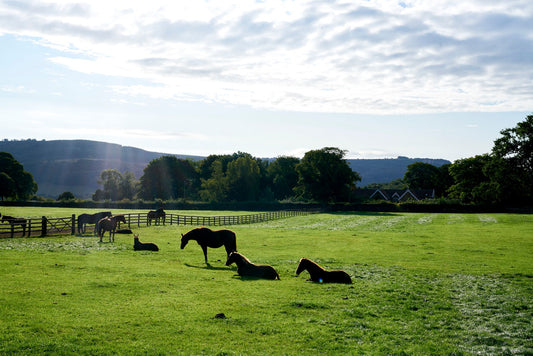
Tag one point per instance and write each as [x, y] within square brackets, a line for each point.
[423, 284]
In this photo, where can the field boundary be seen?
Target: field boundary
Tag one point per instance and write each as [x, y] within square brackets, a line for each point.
[68, 225]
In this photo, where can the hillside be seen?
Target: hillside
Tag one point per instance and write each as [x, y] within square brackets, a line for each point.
[388, 169]
[75, 165]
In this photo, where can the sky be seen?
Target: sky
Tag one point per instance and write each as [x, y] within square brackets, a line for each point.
[376, 78]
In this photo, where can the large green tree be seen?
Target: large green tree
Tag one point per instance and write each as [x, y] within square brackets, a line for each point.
[110, 181]
[244, 177]
[215, 187]
[166, 177]
[468, 175]
[420, 175]
[514, 153]
[324, 175]
[283, 177]
[15, 182]
[128, 186]
[236, 177]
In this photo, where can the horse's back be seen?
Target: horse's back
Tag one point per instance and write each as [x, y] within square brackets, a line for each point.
[214, 238]
[336, 277]
[228, 239]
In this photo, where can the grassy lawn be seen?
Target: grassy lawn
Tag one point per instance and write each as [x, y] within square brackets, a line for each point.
[423, 284]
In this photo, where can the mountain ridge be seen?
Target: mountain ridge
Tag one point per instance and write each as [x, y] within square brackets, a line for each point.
[75, 165]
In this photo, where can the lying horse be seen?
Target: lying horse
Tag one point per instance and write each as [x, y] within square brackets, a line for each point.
[155, 214]
[319, 274]
[207, 238]
[248, 269]
[15, 221]
[109, 224]
[139, 246]
[85, 219]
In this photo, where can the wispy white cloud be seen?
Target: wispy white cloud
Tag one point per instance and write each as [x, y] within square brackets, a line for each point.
[19, 89]
[323, 56]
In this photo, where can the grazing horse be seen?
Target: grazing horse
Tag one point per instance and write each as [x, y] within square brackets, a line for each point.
[319, 274]
[15, 221]
[248, 269]
[155, 214]
[109, 224]
[209, 238]
[139, 246]
[85, 219]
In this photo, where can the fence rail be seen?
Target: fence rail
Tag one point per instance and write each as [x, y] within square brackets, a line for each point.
[68, 225]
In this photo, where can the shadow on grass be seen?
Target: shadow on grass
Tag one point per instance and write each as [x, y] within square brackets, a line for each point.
[208, 266]
[250, 278]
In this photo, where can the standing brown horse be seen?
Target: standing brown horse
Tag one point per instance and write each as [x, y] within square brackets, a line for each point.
[109, 224]
[85, 219]
[245, 268]
[209, 238]
[155, 215]
[15, 221]
[319, 274]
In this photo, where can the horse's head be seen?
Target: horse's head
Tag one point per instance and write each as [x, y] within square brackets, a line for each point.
[301, 266]
[121, 218]
[231, 258]
[184, 240]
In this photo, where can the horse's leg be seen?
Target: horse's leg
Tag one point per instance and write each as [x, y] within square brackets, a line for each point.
[228, 249]
[204, 248]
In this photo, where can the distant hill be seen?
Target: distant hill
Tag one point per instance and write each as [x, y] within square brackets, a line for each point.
[388, 169]
[75, 165]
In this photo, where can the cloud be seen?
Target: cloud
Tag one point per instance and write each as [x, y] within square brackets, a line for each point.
[324, 56]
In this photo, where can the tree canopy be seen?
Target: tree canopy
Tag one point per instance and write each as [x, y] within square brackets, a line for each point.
[325, 176]
[166, 177]
[15, 182]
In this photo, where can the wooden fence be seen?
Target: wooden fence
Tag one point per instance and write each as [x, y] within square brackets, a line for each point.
[68, 225]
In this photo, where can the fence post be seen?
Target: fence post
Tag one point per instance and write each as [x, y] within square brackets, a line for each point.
[73, 231]
[43, 226]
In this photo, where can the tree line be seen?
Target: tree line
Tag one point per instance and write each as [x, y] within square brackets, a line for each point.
[503, 176]
[321, 175]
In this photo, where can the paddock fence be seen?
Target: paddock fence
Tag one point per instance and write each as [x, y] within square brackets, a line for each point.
[68, 225]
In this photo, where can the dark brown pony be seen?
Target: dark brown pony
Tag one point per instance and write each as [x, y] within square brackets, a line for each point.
[209, 238]
[85, 219]
[155, 215]
[248, 269]
[15, 221]
[140, 246]
[319, 274]
[109, 224]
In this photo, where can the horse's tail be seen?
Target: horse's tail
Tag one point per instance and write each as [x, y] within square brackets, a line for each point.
[98, 229]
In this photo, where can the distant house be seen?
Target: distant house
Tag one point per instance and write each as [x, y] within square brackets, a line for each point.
[396, 195]
[402, 195]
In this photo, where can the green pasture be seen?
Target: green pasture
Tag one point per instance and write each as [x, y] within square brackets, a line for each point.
[445, 284]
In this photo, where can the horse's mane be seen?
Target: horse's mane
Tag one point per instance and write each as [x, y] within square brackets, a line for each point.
[311, 263]
[239, 256]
